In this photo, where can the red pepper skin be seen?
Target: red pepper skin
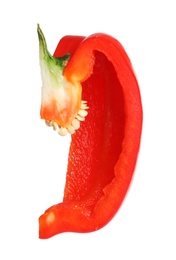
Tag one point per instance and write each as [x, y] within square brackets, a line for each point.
[104, 150]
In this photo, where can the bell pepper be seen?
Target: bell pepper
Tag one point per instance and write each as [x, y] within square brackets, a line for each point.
[89, 89]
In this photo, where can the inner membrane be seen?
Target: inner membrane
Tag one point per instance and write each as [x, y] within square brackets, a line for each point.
[97, 144]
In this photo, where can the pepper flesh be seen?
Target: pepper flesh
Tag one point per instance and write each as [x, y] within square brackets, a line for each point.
[103, 151]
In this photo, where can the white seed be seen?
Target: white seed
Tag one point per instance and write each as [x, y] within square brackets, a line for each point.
[71, 130]
[84, 106]
[80, 118]
[55, 126]
[76, 124]
[62, 131]
[48, 122]
[82, 113]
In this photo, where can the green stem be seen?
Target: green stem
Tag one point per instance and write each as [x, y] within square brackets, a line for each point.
[44, 53]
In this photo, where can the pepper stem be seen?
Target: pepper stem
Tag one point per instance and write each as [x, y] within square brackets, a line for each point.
[61, 105]
[45, 54]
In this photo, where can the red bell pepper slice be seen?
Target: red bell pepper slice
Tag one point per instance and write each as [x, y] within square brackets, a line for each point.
[104, 150]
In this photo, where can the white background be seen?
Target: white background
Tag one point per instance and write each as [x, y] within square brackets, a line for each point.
[33, 158]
